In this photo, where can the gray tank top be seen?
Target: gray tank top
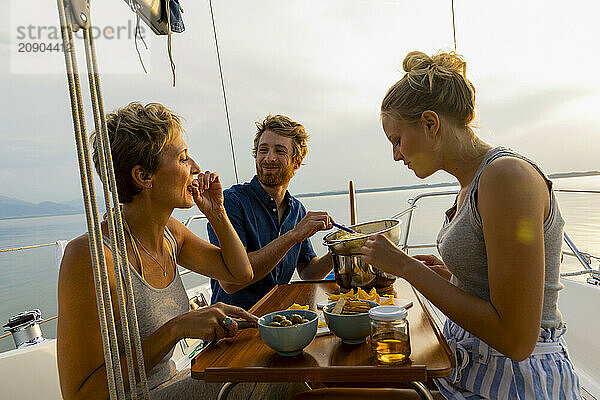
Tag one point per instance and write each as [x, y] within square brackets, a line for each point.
[461, 244]
[154, 307]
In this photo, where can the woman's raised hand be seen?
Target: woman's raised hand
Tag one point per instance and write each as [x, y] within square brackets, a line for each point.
[208, 193]
[380, 252]
[209, 323]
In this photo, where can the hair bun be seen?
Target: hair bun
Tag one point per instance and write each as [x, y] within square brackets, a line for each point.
[451, 62]
[442, 63]
[416, 60]
[437, 83]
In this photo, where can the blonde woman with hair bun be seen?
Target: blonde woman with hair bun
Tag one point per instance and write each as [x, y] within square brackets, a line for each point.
[500, 244]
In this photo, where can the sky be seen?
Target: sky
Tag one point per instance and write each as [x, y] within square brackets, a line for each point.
[326, 64]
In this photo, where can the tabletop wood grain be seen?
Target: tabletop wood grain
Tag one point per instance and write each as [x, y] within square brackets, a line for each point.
[246, 358]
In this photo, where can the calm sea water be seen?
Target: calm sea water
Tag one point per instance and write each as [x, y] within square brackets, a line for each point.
[28, 278]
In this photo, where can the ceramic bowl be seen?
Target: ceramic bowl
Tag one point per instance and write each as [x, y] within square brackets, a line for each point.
[352, 328]
[288, 340]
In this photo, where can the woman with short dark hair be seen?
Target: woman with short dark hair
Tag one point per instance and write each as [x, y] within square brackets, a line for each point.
[155, 175]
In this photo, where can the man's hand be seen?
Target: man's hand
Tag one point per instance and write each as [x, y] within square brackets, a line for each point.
[312, 222]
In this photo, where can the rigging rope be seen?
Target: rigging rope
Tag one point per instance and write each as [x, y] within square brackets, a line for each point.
[35, 246]
[114, 219]
[224, 95]
[453, 26]
[169, 42]
[99, 267]
[137, 32]
[104, 314]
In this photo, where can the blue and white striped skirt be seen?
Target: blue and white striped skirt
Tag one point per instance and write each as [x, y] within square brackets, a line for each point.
[483, 373]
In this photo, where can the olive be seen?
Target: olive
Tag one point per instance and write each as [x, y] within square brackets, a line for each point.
[286, 322]
[296, 319]
[278, 318]
[274, 323]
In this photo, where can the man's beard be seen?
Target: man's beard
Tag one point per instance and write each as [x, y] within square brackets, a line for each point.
[271, 179]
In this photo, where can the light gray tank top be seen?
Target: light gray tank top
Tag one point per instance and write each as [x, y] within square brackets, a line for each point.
[461, 244]
[154, 307]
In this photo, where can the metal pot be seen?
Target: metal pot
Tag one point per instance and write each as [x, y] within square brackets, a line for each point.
[350, 271]
[389, 228]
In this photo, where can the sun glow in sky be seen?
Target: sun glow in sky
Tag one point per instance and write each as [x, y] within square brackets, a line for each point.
[324, 63]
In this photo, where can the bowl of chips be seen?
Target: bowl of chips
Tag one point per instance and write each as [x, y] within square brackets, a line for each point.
[288, 332]
[349, 319]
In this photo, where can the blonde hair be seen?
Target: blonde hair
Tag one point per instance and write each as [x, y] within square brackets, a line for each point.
[437, 83]
[138, 134]
[284, 126]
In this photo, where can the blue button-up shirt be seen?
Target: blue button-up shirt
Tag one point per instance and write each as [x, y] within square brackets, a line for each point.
[253, 214]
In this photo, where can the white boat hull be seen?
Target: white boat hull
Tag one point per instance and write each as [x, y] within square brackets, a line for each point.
[30, 372]
[579, 303]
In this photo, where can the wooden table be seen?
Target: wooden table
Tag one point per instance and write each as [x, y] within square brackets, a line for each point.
[246, 358]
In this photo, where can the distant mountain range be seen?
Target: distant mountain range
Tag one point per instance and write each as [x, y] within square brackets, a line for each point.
[13, 208]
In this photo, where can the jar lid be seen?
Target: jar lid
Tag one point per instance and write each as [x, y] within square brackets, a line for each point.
[387, 313]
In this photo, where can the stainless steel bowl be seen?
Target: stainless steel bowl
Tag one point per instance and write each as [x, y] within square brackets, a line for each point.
[389, 228]
[350, 271]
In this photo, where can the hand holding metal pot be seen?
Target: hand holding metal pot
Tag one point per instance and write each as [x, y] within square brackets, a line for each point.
[350, 269]
[382, 253]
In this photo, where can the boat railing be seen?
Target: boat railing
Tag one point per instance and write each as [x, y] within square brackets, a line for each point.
[182, 271]
[585, 259]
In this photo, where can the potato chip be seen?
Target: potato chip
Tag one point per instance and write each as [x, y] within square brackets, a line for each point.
[389, 301]
[298, 307]
[361, 294]
[333, 297]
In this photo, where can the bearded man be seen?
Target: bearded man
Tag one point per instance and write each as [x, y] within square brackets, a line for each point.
[272, 224]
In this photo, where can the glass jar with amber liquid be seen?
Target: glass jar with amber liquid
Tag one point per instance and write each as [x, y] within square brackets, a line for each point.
[390, 337]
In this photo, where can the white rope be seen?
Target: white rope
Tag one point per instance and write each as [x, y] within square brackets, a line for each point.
[115, 226]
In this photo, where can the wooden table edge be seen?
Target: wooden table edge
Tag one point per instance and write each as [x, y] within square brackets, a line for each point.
[440, 373]
[338, 374]
[437, 332]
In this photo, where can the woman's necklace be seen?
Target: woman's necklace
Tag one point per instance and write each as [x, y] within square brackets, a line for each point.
[147, 252]
[134, 240]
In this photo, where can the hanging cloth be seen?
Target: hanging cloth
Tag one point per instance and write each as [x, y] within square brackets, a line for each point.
[175, 15]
